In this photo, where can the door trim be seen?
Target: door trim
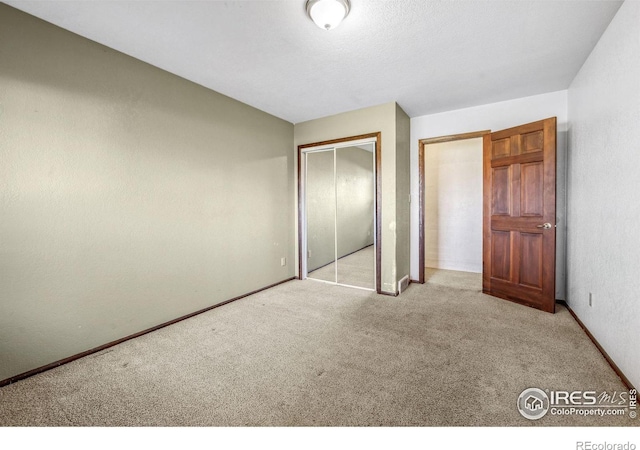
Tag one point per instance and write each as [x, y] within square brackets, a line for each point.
[421, 178]
[378, 198]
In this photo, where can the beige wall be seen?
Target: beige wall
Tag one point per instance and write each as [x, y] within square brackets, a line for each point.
[403, 192]
[128, 196]
[355, 199]
[321, 209]
[381, 118]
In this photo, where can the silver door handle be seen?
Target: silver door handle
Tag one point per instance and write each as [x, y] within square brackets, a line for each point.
[546, 226]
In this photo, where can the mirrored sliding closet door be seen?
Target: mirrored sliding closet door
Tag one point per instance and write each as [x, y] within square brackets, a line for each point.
[339, 190]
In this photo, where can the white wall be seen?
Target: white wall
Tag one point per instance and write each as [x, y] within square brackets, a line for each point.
[453, 205]
[604, 191]
[496, 116]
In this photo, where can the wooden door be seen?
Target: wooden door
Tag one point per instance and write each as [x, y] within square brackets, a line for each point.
[519, 216]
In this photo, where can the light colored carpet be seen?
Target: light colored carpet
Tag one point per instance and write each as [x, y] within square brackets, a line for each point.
[308, 353]
[356, 269]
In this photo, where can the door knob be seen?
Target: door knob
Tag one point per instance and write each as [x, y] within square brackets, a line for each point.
[545, 226]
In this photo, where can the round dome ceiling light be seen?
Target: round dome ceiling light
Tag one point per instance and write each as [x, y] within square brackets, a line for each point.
[328, 14]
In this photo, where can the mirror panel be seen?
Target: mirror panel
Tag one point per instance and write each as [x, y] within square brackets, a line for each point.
[321, 209]
[355, 203]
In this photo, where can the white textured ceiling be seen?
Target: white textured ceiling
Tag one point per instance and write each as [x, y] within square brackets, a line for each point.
[429, 56]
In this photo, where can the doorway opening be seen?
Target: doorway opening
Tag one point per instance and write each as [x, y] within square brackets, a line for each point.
[450, 209]
[339, 211]
[518, 211]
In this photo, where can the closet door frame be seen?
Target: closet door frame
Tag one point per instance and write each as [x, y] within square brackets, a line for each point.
[302, 238]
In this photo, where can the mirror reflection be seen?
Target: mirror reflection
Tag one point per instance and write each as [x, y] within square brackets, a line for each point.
[321, 211]
[355, 214]
[340, 215]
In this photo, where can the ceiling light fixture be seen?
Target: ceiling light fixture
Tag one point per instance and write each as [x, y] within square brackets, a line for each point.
[328, 14]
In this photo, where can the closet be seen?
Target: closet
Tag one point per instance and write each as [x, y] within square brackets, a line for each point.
[338, 188]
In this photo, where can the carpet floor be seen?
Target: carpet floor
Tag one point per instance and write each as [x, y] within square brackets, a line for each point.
[313, 354]
[356, 269]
